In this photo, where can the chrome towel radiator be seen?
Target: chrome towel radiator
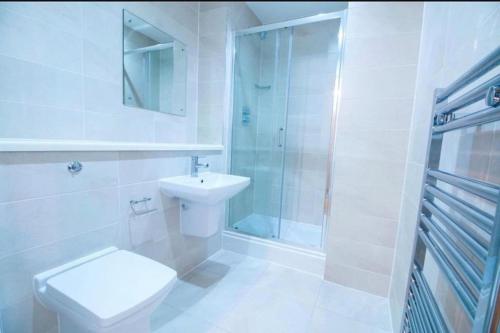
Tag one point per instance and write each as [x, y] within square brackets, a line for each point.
[461, 237]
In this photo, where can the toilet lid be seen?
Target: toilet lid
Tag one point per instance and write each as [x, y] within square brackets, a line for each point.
[112, 287]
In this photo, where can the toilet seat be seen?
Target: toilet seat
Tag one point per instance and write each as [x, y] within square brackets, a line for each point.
[108, 289]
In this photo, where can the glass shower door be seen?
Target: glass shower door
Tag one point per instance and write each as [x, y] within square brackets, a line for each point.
[283, 110]
[261, 71]
[314, 61]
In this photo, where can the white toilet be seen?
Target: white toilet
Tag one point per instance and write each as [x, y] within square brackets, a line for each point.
[110, 291]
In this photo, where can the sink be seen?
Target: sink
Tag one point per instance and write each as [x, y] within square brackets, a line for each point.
[207, 188]
[202, 199]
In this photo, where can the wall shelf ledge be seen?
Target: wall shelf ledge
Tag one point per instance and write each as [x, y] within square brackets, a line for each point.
[42, 145]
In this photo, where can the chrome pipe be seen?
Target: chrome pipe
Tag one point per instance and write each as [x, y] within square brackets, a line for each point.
[483, 66]
[485, 116]
[420, 311]
[429, 299]
[470, 97]
[413, 327]
[487, 303]
[484, 190]
[475, 215]
[478, 246]
[454, 253]
[458, 287]
[416, 313]
[428, 314]
[413, 313]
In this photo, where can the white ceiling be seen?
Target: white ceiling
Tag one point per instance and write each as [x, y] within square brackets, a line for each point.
[279, 11]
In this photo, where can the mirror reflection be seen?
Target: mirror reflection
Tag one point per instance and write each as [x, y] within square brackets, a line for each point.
[154, 68]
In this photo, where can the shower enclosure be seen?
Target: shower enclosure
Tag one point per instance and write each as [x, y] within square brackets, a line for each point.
[284, 80]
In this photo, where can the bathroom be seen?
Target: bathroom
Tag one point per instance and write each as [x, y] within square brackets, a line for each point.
[238, 167]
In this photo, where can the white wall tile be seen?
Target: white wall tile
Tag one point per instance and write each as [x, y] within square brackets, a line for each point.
[26, 82]
[212, 69]
[35, 222]
[64, 16]
[35, 175]
[41, 42]
[374, 144]
[371, 143]
[29, 316]
[363, 114]
[377, 259]
[30, 121]
[357, 278]
[150, 166]
[363, 228]
[383, 50]
[102, 61]
[17, 280]
[172, 129]
[379, 82]
[125, 126]
[95, 17]
[103, 96]
[383, 18]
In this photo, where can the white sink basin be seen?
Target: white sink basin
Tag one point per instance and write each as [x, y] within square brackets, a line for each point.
[207, 188]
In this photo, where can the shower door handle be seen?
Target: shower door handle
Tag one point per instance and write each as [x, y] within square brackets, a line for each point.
[280, 136]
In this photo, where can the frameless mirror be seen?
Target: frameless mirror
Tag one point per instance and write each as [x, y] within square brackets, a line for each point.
[154, 68]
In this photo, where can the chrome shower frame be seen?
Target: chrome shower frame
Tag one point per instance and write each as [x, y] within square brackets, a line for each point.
[230, 63]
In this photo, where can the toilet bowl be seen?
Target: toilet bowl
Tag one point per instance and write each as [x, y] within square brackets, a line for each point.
[110, 291]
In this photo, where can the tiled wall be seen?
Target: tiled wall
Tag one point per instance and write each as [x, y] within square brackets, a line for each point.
[312, 82]
[49, 217]
[216, 19]
[381, 51]
[63, 78]
[454, 37]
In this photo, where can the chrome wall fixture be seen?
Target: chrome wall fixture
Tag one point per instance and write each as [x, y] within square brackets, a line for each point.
[144, 203]
[74, 167]
[461, 237]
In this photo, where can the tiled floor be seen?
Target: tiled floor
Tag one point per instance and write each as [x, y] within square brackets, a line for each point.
[264, 226]
[233, 293]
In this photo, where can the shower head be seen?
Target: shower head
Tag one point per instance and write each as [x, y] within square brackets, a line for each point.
[263, 35]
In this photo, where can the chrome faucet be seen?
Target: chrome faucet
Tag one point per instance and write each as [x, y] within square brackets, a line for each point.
[195, 166]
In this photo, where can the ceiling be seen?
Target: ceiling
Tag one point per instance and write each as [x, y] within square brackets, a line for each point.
[279, 11]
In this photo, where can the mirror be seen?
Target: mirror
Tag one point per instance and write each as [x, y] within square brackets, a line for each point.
[154, 68]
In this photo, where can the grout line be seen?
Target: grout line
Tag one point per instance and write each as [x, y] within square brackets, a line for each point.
[378, 67]
[42, 64]
[363, 323]
[113, 223]
[51, 196]
[357, 290]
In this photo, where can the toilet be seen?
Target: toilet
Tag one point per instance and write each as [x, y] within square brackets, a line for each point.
[110, 291]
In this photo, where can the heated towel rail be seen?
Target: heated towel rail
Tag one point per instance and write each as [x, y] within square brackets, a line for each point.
[461, 235]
